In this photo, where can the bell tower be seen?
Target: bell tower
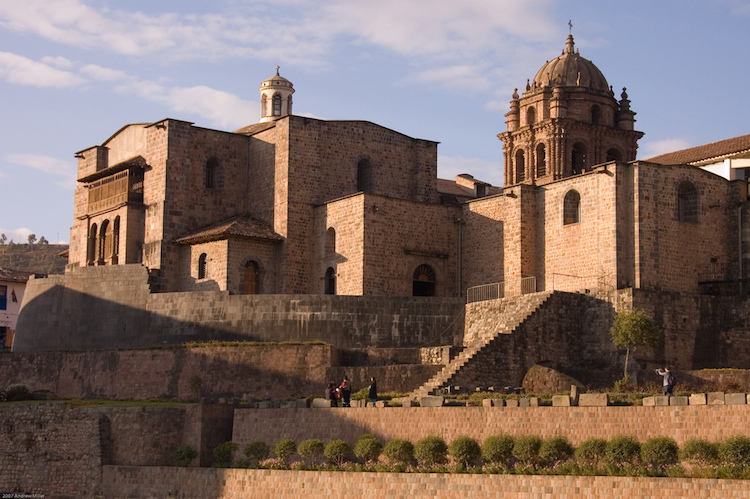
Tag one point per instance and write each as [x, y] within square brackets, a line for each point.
[565, 121]
[275, 98]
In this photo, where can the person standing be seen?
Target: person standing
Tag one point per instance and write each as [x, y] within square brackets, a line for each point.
[667, 382]
[346, 392]
[372, 391]
[331, 395]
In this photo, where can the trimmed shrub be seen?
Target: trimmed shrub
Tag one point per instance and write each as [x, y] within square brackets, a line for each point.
[555, 449]
[526, 449]
[700, 452]
[337, 451]
[399, 451]
[498, 449]
[310, 450]
[735, 450]
[660, 451]
[257, 451]
[223, 454]
[17, 392]
[591, 452]
[368, 448]
[284, 448]
[623, 449]
[430, 451]
[465, 451]
[184, 455]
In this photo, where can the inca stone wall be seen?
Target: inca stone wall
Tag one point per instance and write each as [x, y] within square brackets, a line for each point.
[55, 449]
[119, 481]
[111, 307]
[255, 372]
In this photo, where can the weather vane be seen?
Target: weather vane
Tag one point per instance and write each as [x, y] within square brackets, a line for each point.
[570, 26]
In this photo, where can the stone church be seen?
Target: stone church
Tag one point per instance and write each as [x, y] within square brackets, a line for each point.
[296, 229]
[294, 205]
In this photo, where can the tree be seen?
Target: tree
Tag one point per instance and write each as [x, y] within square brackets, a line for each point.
[42, 240]
[32, 238]
[632, 329]
[3, 238]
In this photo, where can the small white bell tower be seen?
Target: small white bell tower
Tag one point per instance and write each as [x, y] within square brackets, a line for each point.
[275, 98]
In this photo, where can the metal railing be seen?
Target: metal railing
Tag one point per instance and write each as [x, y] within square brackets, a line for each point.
[503, 289]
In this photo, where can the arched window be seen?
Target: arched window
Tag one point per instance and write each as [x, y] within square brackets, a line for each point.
[530, 115]
[688, 205]
[520, 166]
[572, 208]
[330, 242]
[423, 281]
[263, 106]
[214, 174]
[578, 158]
[614, 155]
[364, 176]
[596, 115]
[251, 278]
[330, 281]
[541, 161]
[105, 243]
[91, 247]
[277, 104]
[202, 266]
[116, 241]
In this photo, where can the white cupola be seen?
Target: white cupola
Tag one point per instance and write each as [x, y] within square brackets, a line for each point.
[275, 98]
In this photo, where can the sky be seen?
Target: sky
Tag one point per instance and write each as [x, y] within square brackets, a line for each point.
[73, 72]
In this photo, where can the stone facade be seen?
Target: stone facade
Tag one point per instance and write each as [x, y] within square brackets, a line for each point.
[118, 481]
[58, 450]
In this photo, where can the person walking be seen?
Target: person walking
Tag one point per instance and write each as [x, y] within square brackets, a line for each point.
[346, 392]
[668, 381]
[372, 391]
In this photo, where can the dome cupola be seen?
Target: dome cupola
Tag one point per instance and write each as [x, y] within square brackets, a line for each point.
[275, 98]
[570, 70]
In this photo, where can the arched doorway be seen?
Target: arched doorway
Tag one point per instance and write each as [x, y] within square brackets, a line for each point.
[251, 278]
[423, 281]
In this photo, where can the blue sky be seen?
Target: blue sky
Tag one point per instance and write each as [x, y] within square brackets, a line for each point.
[72, 72]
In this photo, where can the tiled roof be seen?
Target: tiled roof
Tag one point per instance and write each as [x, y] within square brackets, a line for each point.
[699, 154]
[8, 275]
[237, 226]
[445, 186]
[255, 128]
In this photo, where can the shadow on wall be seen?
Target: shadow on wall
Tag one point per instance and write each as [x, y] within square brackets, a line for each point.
[58, 317]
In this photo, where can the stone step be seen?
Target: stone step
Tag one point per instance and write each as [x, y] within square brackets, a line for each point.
[510, 318]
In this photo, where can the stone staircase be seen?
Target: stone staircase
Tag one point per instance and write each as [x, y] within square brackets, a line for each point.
[508, 320]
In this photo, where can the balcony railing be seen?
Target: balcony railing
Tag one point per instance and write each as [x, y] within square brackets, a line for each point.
[503, 289]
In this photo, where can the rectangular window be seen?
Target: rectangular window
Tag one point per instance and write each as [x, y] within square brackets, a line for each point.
[3, 297]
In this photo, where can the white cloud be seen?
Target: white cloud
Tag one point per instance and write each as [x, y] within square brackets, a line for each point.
[24, 71]
[223, 109]
[651, 149]
[481, 169]
[19, 235]
[60, 62]
[49, 165]
[101, 73]
[455, 77]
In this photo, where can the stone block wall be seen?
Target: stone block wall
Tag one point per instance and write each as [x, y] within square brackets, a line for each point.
[112, 307]
[578, 424]
[50, 448]
[569, 331]
[276, 372]
[121, 481]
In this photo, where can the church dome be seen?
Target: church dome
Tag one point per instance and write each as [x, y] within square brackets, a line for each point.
[276, 81]
[571, 70]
